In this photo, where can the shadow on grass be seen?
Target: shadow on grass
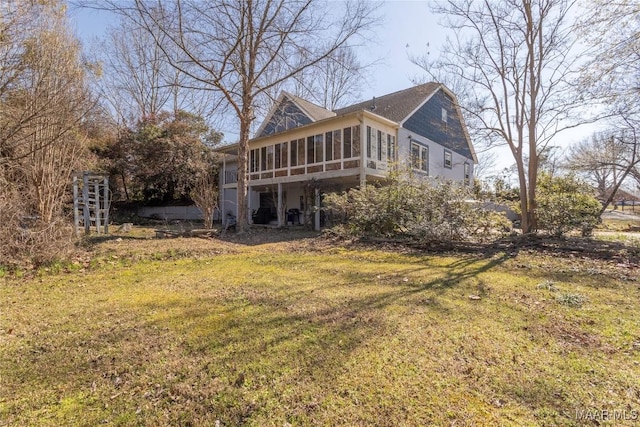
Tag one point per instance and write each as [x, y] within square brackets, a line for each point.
[262, 354]
[262, 235]
[95, 240]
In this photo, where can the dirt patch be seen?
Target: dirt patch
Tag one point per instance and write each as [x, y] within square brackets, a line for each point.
[570, 337]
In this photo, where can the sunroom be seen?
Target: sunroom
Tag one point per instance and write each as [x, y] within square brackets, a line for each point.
[288, 171]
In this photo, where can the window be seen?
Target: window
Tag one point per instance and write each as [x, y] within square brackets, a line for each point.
[346, 152]
[270, 150]
[254, 160]
[444, 115]
[281, 155]
[284, 155]
[424, 159]
[467, 173]
[380, 141]
[415, 156]
[328, 151]
[447, 159]
[294, 153]
[355, 141]
[310, 145]
[319, 148]
[263, 158]
[420, 157]
[373, 143]
[337, 144]
[301, 152]
[391, 148]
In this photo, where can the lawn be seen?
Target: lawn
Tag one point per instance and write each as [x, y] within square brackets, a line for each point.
[198, 332]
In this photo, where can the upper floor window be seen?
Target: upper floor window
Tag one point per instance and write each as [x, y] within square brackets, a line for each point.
[448, 162]
[444, 115]
[254, 160]
[315, 149]
[420, 157]
[281, 155]
[372, 143]
[467, 173]
[351, 142]
[391, 148]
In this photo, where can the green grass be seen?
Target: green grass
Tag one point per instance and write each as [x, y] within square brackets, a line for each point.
[188, 332]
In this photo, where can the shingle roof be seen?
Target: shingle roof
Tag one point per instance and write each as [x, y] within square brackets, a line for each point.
[314, 111]
[395, 106]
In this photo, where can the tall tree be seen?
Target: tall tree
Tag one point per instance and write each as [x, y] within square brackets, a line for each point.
[42, 109]
[44, 101]
[512, 62]
[244, 48]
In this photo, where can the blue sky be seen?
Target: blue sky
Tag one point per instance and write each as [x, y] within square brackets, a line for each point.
[406, 28]
[405, 23]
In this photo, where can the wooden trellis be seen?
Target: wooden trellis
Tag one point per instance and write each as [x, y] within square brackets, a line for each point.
[91, 202]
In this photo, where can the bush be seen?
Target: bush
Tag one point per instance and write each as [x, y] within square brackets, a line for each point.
[412, 207]
[25, 239]
[565, 204]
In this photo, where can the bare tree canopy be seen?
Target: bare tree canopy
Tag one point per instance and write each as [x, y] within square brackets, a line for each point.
[244, 48]
[604, 161]
[44, 103]
[334, 82]
[137, 80]
[613, 78]
[512, 64]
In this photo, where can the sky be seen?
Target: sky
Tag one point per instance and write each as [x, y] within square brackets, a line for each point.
[407, 28]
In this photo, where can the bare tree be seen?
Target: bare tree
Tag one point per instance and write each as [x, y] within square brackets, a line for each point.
[138, 81]
[205, 194]
[44, 110]
[43, 102]
[606, 160]
[613, 77]
[243, 48]
[614, 72]
[333, 82]
[511, 62]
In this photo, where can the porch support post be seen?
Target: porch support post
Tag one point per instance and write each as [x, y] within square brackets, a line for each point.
[279, 209]
[363, 155]
[317, 213]
[222, 180]
[248, 206]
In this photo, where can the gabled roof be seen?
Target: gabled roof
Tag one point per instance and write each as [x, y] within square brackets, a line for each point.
[306, 112]
[395, 106]
[314, 112]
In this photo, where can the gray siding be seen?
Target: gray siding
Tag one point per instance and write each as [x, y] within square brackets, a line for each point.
[427, 122]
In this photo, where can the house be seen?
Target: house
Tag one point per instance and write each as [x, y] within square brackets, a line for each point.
[302, 149]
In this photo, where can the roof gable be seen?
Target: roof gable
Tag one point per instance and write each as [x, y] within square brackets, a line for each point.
[290, 112]
[427, 121]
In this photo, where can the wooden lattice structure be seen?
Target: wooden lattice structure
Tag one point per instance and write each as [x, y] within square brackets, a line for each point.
[91, 202]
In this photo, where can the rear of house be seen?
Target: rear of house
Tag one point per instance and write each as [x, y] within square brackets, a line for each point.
[303, 150]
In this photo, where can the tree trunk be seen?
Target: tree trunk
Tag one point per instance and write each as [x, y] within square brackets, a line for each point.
[525, 219]
[243, 184]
